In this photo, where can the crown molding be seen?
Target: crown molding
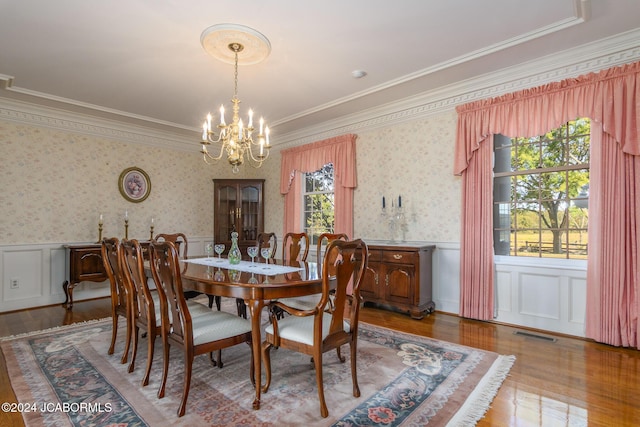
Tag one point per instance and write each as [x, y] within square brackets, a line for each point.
[592, 57]
[43, 116]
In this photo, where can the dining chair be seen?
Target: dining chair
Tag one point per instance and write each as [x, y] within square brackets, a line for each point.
[146, 303]
[325, 327]
[307, 302]
[323, 241]
[182, 245]
[295, 246]
[121, 295]
[206, 333]
[267, 240]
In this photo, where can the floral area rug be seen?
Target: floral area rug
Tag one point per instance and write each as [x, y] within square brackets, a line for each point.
[64, 377]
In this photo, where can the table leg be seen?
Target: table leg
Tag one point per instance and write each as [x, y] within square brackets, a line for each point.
[255, 308]
[67, 287]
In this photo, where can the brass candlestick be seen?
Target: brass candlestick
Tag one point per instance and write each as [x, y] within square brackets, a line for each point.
[126, 229]
[99, 232]
[151, 231]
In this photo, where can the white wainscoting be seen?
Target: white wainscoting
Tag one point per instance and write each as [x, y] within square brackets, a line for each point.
[543, 294]
[41, 269]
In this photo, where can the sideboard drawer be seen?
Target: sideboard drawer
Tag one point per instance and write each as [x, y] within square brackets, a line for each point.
[401, 257]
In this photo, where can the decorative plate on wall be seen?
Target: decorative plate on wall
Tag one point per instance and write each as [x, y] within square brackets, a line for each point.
[134, 184]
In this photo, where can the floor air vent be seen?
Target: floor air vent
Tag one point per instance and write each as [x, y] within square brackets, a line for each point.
[534, 335]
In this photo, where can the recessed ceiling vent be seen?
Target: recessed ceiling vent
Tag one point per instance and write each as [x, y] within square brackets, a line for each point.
[534, 335]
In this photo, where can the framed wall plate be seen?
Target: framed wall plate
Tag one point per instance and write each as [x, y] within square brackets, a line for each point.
[134, 184]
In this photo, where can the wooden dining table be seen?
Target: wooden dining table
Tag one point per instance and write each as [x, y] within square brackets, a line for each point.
[256, 289]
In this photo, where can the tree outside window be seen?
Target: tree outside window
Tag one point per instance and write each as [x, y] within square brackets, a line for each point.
[318, 199]
[541, 193]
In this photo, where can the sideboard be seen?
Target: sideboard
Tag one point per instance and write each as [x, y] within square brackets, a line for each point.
[84, 263]
[399, 275]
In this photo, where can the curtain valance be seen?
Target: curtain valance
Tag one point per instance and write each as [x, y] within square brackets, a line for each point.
[611, 97]
[340, 150]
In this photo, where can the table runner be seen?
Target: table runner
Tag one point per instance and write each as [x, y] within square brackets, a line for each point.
[245, 266]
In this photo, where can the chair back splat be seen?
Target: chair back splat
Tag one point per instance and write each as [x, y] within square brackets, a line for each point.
[295, 247]
[179, 239]
[328, 325]
[323, 241]
[267, 240]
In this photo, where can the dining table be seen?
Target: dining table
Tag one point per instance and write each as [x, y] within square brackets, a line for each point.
[257, 283]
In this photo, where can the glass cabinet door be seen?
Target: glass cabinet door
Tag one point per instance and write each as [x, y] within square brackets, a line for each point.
[238, 206]
[250, 196]
[226, 213]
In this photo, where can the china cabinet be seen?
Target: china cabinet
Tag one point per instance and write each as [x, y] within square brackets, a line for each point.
[399, 276]
[238, 207]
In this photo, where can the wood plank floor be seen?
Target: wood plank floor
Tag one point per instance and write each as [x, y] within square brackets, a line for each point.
[569, 382]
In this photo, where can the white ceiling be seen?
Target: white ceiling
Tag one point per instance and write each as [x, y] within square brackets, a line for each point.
[142, 59]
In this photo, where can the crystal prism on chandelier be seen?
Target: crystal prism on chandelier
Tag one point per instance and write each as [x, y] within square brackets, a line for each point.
[237, 140]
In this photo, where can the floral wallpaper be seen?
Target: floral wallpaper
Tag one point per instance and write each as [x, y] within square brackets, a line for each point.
[54, 185]
[413, 160]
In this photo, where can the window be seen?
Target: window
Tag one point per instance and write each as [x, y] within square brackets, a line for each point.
[541, 193]
[318, 199]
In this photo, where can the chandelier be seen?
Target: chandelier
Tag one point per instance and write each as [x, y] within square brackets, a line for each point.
[236, 140]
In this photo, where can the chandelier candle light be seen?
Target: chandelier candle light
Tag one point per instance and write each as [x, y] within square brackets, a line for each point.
[237, 139]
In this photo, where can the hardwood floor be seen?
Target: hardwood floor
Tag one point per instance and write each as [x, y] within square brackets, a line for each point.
[569, 382]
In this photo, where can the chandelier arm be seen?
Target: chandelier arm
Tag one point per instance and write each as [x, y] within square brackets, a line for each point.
[207, 155]
[259, 159]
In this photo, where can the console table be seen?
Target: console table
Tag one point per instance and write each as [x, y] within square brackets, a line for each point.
[399, 275]
[84, 263]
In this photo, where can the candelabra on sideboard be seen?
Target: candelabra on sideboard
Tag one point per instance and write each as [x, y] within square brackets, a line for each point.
[395, 219]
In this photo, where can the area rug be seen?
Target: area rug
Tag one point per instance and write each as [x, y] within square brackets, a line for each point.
[64, 377]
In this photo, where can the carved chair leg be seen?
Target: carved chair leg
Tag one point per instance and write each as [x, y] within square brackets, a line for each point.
[114, 333]
[134, 352]
[324, 412]
[125, 356]
[218, 361]
[354, 374]
[242, 308]
[266, 361]
[188, 366]
[150, 345]
[165, 367]
[252, 368]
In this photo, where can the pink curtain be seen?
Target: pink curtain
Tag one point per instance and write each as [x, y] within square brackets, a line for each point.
[614, 216]
[341, 151]
[476, 249]
[611, 98]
